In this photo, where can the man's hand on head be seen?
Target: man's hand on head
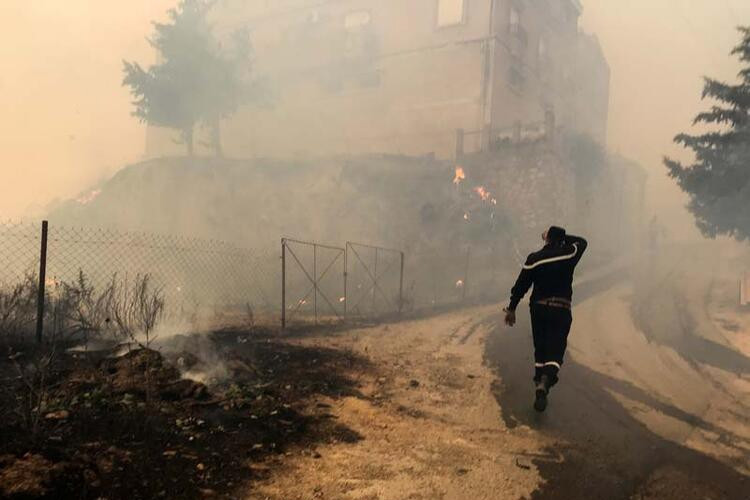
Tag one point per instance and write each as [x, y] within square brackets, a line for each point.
[510, 316]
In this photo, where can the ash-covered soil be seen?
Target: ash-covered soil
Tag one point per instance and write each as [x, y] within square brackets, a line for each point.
[133, 427]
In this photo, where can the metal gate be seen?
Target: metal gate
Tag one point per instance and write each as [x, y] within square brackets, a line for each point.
[374, 280]
[313, 283]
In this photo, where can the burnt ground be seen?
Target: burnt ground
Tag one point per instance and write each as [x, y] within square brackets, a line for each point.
[390, 411]
[603, 451]
[107, 432]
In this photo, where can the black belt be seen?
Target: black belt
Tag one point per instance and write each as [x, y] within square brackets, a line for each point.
[554, 302]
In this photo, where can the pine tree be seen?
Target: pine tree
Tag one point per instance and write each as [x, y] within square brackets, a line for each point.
[718, 181]
[197, 80]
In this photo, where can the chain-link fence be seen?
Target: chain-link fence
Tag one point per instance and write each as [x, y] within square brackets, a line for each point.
[452, 276]
[215, 282]
[20, 245]
[19, 252]
[201, 283]
[192, 273]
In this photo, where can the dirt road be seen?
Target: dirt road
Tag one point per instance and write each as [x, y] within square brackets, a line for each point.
[430, 425]
[447, 415]
[619, 414]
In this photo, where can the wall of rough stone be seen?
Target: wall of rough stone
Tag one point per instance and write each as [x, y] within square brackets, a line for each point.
[537, 185]
[530, 182]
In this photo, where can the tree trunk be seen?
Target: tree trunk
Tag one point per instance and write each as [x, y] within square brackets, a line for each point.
[216, 137]
[187, 136]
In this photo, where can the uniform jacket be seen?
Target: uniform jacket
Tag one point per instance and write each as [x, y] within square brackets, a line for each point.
[550, 270]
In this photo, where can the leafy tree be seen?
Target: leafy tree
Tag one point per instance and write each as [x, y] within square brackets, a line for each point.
[198, 79]
[718, 180]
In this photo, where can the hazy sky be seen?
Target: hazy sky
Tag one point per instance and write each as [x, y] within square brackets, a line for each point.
[658, 51]
[65, 119]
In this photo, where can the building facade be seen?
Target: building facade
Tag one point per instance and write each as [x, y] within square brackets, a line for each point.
[396, 76]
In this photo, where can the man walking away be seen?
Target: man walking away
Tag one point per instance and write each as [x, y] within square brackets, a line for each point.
[550, 270]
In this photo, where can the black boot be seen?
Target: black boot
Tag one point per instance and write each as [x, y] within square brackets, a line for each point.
[542, 388]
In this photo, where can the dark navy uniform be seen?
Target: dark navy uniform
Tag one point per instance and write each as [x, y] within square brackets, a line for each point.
[550, 271]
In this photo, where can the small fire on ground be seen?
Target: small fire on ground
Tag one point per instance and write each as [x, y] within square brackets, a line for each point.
[460, 175]
[485, 195]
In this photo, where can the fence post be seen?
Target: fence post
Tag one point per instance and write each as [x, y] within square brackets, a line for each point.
[375, 282]
[459, 144]
[401, 286]
[315, 282]
[42, 280]
[283, 284]
[466, 274]
[346, 278]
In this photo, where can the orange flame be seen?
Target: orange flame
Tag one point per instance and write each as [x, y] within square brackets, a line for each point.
[482, 192]
[460, 175]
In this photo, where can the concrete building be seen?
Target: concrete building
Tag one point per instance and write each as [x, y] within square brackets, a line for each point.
[397, 76]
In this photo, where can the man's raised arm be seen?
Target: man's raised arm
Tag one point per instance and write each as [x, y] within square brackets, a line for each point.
[579, 243]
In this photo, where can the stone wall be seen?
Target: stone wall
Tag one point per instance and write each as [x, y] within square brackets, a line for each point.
[538, 184]
[530, 182]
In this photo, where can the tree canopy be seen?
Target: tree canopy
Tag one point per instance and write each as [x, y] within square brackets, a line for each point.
[718, 180]
[198, 78]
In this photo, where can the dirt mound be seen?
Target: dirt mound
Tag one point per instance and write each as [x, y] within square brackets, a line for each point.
[144, 370]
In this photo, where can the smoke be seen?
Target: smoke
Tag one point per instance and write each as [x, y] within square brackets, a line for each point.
[66, 128]
[66, 134]
[658, 53]
[66, 121]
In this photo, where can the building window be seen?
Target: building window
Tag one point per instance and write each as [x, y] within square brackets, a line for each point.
[542, 58]
[370, 79]
[357, 20]
[450, 12]
[515, 27]
[542, 48]
[516, 80]
[515, 20]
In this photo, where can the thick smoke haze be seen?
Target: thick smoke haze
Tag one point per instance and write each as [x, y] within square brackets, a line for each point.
[658, 51]
[66, 121]
[64, 118]
[327, 226]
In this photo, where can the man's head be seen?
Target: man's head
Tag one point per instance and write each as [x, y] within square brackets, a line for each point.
[554, 235]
